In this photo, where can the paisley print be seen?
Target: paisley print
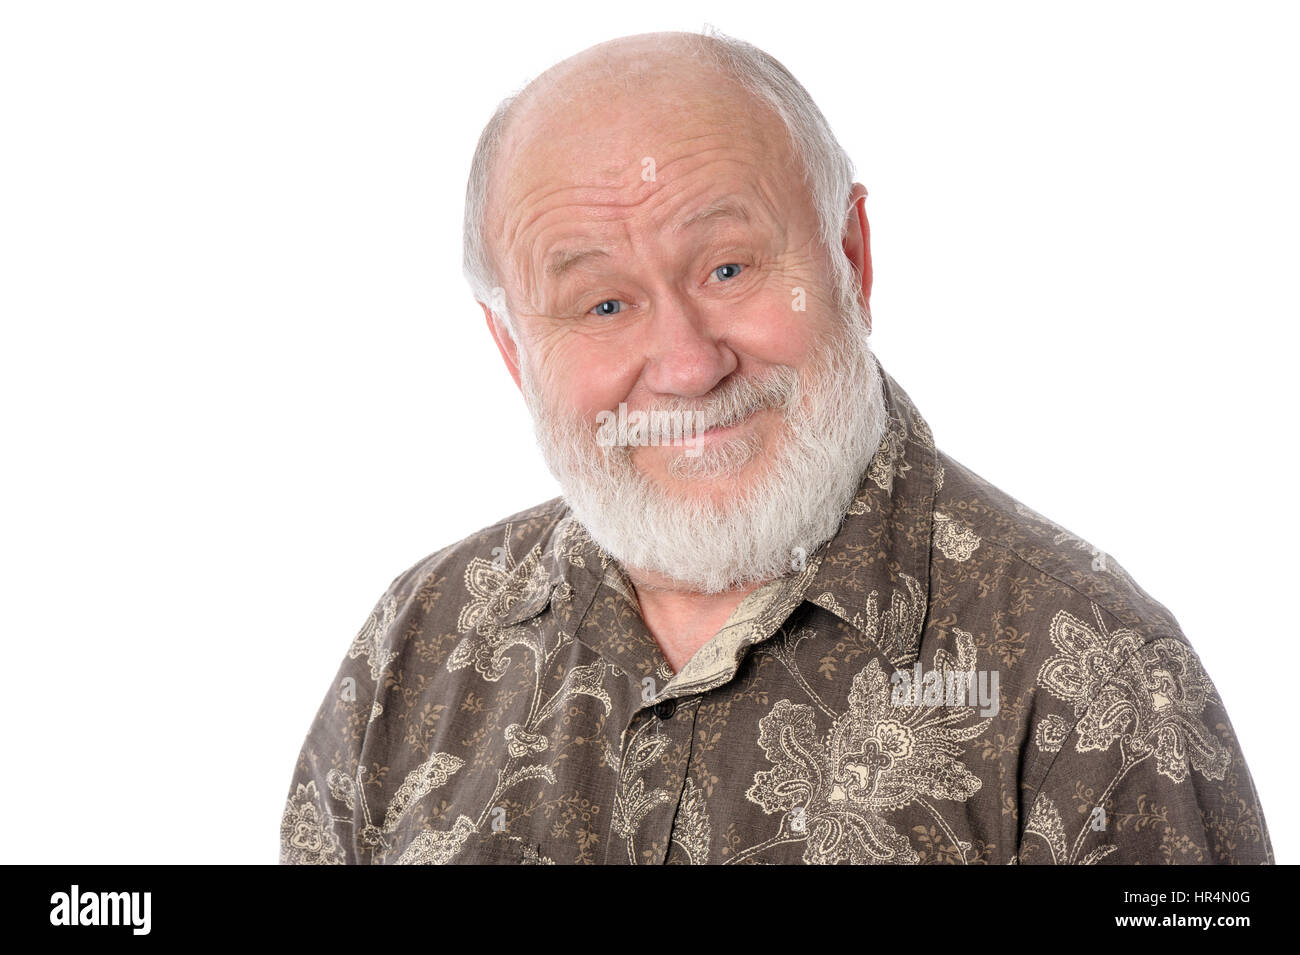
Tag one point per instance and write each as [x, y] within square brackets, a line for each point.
[504, 703]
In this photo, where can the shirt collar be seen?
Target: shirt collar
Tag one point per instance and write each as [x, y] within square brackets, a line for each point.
[550, 570]
[874, 574]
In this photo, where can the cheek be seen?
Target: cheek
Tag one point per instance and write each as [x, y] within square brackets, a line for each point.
[776, 332]
[587, 375]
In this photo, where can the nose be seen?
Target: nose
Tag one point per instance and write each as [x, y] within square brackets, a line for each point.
[685, 355]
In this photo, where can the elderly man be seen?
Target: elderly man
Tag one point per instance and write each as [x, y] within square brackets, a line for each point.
[768, 621]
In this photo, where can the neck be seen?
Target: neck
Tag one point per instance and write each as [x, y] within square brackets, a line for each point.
[682, 621]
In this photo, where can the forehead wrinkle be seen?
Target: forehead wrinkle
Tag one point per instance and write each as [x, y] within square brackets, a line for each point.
[658, 203]
[683, 128]
[556, 262]
[605, 201]
[558, 254]
[550, 256]
[745, 178]
[561, 260]
[524, 213]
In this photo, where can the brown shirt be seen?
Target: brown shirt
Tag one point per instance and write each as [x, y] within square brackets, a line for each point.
[952, 678]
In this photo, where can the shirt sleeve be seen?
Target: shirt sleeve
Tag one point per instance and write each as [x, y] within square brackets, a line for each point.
[325, 820]
[1150, 773]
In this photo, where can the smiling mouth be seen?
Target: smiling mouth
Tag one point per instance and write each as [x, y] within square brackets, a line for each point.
[733, 425]
[715, 436]
[724, 428]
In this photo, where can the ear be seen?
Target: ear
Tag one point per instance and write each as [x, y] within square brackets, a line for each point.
[857, 242]
[505, 343]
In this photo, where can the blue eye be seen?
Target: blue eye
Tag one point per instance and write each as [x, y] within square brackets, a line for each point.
[605, 311]
[724, 272]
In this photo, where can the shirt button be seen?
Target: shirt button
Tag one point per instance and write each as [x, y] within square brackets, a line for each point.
[665, 709]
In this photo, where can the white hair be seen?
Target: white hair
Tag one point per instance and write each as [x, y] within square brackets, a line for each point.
[834, 417]
[828, 171]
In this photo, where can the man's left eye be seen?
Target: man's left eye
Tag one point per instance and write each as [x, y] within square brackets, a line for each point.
[724, 272]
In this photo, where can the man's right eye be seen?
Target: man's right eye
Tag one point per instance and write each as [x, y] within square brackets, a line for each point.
[611, 306]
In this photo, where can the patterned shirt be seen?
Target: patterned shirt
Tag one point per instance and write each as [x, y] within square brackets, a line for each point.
[952, 678]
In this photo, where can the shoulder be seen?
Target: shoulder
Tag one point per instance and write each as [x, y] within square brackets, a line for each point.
[502, 543]
[973, 515]
[1096, 658]
[496, 571]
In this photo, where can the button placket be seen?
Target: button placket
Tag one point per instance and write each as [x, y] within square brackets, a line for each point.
[671, 776]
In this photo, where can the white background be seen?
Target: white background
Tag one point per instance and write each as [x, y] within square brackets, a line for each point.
[245, 385]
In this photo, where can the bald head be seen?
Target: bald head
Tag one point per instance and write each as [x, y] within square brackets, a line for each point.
[616, 67]
[620, 71]
[590, 119]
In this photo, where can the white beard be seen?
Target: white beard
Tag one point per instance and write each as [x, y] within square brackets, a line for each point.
[793, 504]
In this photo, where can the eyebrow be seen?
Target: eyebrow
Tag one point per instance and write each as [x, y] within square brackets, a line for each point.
[561, 261]
[725, 208]
[557, 263]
